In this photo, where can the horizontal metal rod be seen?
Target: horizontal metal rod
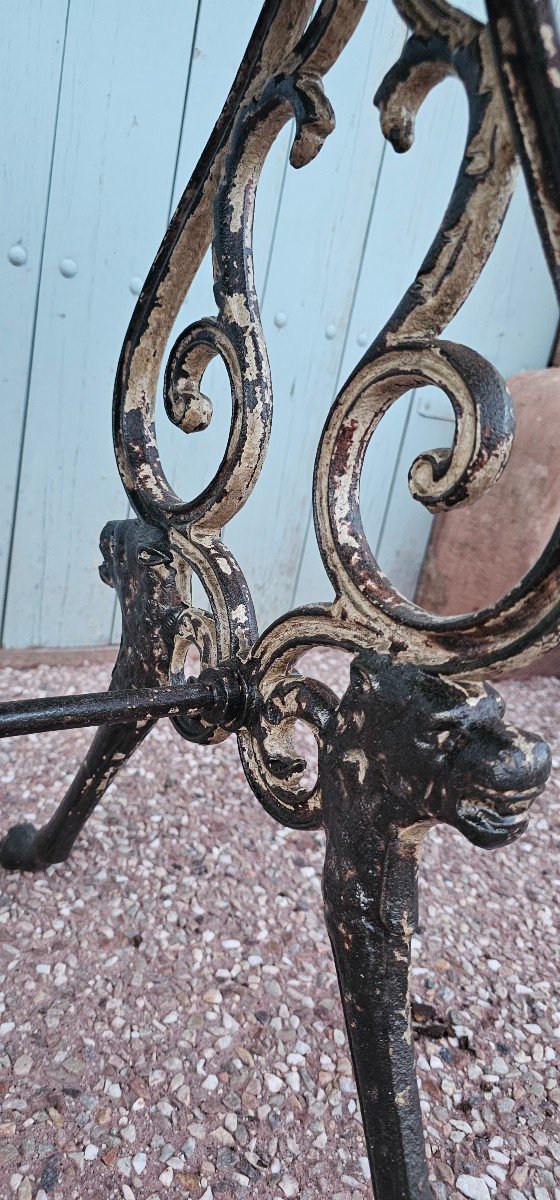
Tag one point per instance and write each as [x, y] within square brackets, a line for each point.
[104, 708]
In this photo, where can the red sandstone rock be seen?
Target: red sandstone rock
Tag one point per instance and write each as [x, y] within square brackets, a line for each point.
[477, 554]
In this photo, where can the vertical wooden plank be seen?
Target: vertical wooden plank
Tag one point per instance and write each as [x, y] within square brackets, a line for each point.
[31, 51]
[318, 245]
[222, 33]
[121, 104]
[411, 196]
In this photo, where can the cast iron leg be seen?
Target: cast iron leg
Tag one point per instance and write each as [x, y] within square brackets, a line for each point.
[139, 563]
[403, 751]
[26, 848]
[370, 917]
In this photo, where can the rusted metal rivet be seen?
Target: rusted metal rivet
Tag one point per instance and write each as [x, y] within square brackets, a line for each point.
[68, 268]
[280, 320]
[330, 332]
[135, 285]
[17, 255]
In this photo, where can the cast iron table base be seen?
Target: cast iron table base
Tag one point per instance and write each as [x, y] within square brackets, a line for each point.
[417, 738]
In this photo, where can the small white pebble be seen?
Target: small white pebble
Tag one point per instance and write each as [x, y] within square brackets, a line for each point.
[139, 1163]
[127, 1192]
[91, 1152]
[213, 996]
[112, 1089]
[289, 1186]
[223, 1137]
[496, 1156]
[274, 1083]
[166, 1177]
[210, 1083]
[23, 1064]
[473, 1187]
[496, 1172]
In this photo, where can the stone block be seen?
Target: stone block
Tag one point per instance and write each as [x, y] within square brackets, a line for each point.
[476, 554]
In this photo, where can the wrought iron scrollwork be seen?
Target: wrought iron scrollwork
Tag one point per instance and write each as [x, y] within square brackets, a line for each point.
[417, 738]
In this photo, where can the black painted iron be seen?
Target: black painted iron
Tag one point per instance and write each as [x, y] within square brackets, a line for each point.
[111, 708]
[403, 751]
[416, 739]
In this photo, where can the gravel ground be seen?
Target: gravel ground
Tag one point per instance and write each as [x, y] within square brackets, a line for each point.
[169, 1017]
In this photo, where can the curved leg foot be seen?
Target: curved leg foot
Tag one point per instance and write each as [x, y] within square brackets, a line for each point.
[138, 561]
[26, 848]
[18, 850]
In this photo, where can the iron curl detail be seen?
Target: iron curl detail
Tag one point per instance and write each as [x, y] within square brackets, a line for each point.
[280, 78]
[367, 610]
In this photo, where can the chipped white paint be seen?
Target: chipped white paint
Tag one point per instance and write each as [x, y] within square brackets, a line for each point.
[360, 759]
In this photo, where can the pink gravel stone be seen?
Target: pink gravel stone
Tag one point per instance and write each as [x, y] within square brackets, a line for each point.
[182, 905]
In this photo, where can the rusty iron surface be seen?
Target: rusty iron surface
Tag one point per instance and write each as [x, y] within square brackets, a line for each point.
[418, 737]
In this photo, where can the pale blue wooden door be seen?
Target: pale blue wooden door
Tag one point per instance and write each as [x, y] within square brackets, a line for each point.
[106, 113]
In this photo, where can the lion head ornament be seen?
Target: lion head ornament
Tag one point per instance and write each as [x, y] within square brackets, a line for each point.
[408, 748]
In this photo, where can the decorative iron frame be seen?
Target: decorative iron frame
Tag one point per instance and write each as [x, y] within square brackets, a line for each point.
[416, 738]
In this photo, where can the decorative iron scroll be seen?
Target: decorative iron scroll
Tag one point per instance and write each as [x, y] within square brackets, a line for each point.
[417, 738]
